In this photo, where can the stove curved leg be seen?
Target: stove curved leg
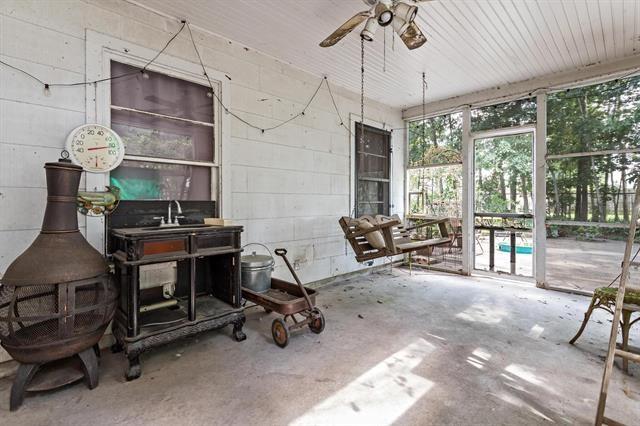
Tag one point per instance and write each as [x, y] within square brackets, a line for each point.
[238, 334]
[96, 349]
[90, 367]
[117, 347]
[23, 377]
[134, 370]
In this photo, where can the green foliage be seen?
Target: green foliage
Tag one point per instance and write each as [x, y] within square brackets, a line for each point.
[436, 191]
[593, 118]
[509, 114]
[597, 188]
[436, 140]
[503, 174]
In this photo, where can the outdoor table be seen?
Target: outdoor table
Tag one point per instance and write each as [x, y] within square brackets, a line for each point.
[512, 234]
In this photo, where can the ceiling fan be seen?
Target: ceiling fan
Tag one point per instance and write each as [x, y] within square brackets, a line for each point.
[398, 14]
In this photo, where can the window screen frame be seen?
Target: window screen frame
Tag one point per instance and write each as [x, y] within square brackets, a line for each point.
[357, 178]
[99, 49]
[215, 164]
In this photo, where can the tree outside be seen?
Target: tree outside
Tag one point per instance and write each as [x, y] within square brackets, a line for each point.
[591, 175]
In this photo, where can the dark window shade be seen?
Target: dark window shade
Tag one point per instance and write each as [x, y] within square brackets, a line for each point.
[183, 132]
[160, 94]
[372, 171]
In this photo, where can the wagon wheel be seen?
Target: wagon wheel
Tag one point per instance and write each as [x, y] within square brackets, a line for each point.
[317, 325]
[280, 332]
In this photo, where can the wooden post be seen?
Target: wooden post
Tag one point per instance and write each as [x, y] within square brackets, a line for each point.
[467, 193]
[539, 192]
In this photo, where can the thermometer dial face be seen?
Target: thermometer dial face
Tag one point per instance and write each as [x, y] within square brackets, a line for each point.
[96, 148]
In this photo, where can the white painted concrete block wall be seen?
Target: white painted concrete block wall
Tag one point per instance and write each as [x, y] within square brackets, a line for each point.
[289, 186]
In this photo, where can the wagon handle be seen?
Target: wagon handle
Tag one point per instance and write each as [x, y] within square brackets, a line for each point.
[283, 253]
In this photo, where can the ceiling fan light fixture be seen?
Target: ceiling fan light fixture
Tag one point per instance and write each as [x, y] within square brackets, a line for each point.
[384, 14]
[399, 25]
[369, 29]
[413, 37]
[385, 18]
[406, 12]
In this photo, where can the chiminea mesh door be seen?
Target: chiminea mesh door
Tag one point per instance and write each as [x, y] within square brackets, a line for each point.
[58, 319]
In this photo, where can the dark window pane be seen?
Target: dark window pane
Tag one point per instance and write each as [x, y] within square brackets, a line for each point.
[436, 140]
[375, 141]
[142, 180]
[372, 170]
[370, 166]
[151, 136]
[373, 198]
[509, 114]
[160, 94]
[594, 118]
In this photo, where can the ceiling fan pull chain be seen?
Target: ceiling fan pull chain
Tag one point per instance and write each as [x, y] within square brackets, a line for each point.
[424, 89]
[361, 93]
[384, 50]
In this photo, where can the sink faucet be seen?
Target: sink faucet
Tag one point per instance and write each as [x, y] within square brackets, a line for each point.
[176, 217]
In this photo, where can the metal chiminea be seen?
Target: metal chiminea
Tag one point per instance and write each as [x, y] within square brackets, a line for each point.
[56, 298]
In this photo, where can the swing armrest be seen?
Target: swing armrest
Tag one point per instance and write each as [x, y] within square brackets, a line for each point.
[378, 227]
[427, 223]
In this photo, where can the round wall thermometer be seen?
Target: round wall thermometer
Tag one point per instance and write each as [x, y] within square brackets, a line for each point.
[96, 148]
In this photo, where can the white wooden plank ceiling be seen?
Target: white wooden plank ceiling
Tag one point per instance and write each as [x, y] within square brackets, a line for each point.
[472, 45]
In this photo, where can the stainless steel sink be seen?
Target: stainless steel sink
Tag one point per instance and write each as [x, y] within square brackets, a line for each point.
[168, 228]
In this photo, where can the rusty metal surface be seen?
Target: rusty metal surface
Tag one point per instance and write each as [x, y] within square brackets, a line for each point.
[55, 258]
[56, 298]
[413, 37]
[283, 297]
[60, 253]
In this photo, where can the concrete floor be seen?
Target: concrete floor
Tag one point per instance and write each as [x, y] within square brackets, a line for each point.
[424, 349]
[570, 263]
[584, 265]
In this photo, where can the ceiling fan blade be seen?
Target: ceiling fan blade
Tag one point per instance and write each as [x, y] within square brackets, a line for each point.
[345, 29]
[413, 37]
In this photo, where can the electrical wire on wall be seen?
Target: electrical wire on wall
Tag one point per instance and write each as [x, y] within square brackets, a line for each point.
[47, 85]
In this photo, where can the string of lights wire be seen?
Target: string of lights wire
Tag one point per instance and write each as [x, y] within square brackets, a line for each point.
[48, 85]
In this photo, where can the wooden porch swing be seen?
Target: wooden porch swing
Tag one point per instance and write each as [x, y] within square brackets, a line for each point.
[383, 236]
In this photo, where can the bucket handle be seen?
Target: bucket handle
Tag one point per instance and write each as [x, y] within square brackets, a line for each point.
[258, 244]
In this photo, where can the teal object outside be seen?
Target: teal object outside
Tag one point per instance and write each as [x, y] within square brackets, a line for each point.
[519, 249]
[136, 189]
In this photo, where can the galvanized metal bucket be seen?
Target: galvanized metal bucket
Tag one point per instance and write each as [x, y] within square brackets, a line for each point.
[256, 271]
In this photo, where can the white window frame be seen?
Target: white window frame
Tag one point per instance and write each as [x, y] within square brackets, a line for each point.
[100, 50]
[354, 120]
